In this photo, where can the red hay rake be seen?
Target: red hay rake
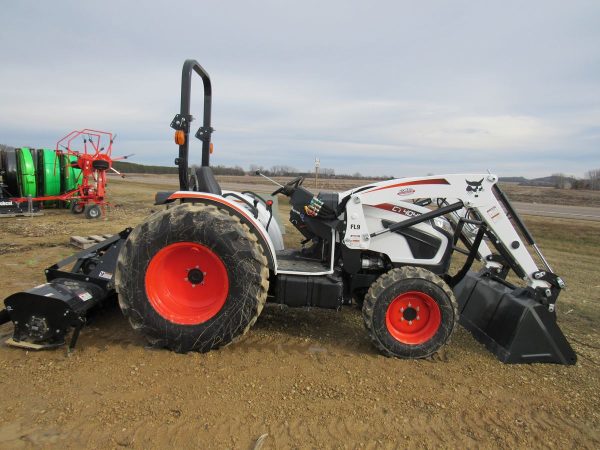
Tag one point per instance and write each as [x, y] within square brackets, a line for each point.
[93, 152]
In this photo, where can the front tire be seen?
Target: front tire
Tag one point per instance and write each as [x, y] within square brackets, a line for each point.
[409, 313]
[192, 277]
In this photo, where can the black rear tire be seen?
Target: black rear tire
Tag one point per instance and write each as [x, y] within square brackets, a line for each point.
[219, 233]
[430, 327]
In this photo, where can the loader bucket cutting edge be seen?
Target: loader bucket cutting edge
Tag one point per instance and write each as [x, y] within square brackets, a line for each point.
[510, 323]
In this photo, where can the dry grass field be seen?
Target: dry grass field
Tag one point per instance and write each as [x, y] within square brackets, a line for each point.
[307, 378]
[529, 194]
[535, 194]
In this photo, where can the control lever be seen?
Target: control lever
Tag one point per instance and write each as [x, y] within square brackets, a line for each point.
[271, 180]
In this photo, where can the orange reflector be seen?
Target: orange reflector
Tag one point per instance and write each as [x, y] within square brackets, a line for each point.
[210, 148]
[179, 137]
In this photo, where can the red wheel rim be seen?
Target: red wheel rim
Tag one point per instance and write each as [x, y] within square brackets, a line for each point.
[187, 283]
[413, 318]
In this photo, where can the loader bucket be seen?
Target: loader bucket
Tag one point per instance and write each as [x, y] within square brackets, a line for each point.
[510, 322]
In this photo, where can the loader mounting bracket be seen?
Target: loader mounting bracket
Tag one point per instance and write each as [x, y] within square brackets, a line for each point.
[548, 296]
[503, 272]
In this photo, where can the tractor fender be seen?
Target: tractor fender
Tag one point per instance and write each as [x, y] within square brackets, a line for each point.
[244, 215]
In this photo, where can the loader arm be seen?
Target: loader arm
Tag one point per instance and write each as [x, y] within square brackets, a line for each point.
[467, 194]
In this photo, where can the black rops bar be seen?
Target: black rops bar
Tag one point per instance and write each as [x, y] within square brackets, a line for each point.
[183, 120]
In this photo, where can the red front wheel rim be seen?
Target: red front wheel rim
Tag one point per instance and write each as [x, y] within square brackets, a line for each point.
[413, 318]
[187, 283]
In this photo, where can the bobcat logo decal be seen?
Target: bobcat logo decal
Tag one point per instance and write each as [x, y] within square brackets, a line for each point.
[474, 187]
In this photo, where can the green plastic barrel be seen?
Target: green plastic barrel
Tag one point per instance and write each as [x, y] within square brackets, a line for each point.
[26, 172]
[49, 172]
[71, 177]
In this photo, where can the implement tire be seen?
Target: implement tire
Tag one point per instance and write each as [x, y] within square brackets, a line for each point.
[192, 278]
[76, 207]
[91, 212]
[409, 313]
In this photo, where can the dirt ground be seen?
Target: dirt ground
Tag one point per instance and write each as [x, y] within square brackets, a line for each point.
[305, 378]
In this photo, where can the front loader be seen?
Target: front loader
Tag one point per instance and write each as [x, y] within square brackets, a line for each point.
[196, 275]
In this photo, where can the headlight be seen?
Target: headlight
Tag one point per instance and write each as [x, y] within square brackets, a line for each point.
[442, 222]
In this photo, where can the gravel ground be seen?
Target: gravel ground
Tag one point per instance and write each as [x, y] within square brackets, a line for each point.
[306, 378]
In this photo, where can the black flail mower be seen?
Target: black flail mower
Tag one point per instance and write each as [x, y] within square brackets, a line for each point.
[197, 274]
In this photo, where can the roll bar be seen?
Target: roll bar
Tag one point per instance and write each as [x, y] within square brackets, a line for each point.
[183, 120]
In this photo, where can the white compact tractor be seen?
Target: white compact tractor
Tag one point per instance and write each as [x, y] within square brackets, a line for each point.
[197, 274]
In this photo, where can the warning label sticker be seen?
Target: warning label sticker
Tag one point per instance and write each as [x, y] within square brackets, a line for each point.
[355, 239]
[85, 296]
[494, 214]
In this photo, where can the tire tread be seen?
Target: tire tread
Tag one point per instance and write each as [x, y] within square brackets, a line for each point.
[240, 232]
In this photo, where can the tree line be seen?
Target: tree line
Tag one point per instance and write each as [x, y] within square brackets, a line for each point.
[590, 181]
[324, 172]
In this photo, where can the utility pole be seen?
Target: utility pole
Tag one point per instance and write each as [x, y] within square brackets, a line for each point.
[317, 165]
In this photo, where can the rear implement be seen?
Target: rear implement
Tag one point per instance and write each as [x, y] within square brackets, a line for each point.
[44, 316]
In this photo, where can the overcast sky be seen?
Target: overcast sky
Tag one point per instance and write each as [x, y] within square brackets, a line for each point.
[397, 88]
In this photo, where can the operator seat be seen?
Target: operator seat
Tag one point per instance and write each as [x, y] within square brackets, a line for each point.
[205, 181]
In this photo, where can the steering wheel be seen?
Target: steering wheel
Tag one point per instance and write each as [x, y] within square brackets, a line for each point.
[289, 187]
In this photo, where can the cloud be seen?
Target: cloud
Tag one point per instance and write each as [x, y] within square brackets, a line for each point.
[399, 88]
